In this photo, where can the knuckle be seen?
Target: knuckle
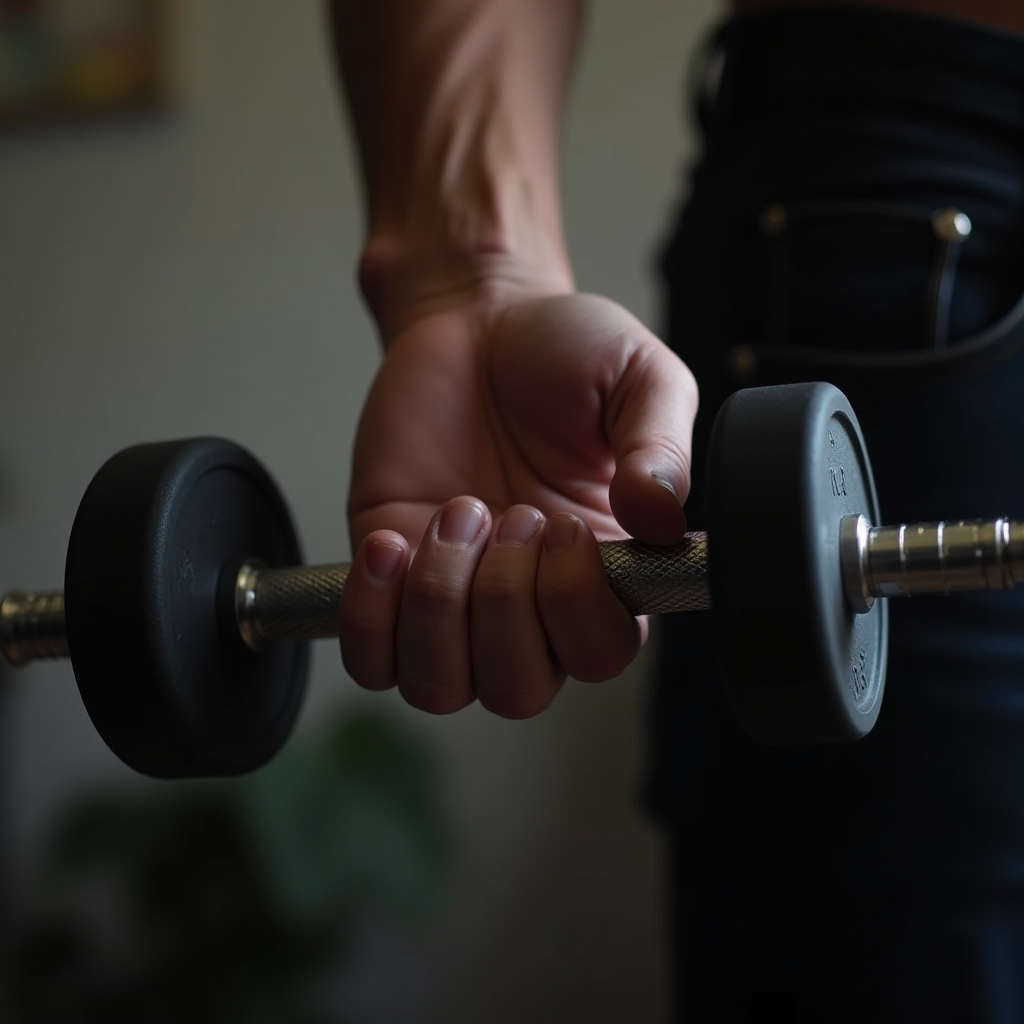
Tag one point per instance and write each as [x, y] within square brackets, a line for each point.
[687, 382]
[358, 626]
[437, 590]
[558, 587]
[675, 453]
[496, 595]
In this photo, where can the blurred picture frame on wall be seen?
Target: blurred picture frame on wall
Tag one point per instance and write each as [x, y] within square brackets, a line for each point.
[79, 60]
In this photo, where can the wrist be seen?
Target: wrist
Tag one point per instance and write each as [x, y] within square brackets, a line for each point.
[404, 279]
[461, 165]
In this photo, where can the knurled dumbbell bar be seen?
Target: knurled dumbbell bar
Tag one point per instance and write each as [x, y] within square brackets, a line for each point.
[300, 603]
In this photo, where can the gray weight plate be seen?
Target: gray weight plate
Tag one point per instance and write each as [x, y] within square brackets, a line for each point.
[158, 540]
[785, 465]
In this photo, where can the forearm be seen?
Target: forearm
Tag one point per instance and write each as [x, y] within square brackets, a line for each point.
[456, 107]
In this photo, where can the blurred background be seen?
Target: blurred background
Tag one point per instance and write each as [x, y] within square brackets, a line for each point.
[179, 223]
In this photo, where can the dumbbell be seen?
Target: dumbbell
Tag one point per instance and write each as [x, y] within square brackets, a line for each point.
[185, 611]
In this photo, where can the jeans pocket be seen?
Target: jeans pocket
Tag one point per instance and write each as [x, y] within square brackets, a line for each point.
[864, 290]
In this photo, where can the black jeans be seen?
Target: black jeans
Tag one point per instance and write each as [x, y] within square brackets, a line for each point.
[883, 881]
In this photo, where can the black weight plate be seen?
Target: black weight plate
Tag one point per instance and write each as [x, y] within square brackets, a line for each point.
[157, 541]
[785, 465]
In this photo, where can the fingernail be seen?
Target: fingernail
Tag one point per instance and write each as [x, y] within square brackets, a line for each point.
[667, 484]
[461, 523]
[517, 526]
[560, 532]
[382, 560]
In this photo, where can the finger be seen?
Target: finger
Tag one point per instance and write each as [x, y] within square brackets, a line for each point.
[514, 674]
[433, 668]
[591, 633]
[368, 613]
[650, 426]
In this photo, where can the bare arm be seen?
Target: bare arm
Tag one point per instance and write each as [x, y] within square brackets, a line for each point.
[512, 420]
[456, 106]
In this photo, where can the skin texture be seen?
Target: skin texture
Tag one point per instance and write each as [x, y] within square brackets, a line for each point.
[513, 420]
[563, 405]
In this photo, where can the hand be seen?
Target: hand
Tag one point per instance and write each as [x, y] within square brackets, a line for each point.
[556, 420]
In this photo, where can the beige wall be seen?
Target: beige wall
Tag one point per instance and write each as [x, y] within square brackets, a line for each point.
[194, 275]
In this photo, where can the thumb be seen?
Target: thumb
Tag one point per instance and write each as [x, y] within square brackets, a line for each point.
[650, 428]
